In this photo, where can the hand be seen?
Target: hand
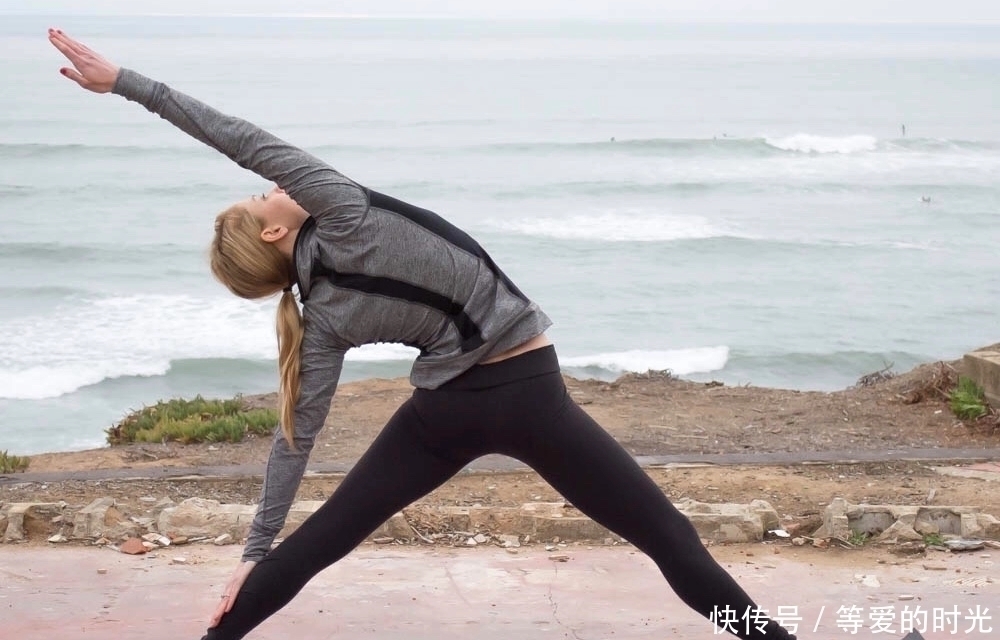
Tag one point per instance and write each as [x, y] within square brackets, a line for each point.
[232, 590]
[92, 72]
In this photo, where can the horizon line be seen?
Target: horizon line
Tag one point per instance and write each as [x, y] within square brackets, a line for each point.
[587, 19]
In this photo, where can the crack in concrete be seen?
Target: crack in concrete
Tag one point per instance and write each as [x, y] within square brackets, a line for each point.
[555, 609]
[458, 589]
[16, 576]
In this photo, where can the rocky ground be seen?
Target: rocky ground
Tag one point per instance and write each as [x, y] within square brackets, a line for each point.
[651, 415]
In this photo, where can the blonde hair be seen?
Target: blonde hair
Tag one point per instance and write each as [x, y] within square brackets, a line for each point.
[252, 268]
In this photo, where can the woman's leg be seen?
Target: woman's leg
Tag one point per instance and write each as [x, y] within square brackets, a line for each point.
[397, 469]
[593, 472]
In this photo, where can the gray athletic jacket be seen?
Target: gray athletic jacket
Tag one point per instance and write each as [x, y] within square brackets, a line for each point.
[370, 269]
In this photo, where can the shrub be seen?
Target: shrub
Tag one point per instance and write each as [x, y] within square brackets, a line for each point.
[933, 540]
[858, 538]
[968, 401]
[13, 464]
[190, 421]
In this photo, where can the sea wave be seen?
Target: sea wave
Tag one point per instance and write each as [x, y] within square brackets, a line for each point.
[170, 188]
[54, 380]
[647, 227]
[720, 179]
[186, 338]
[622, 187]
[93, 340]
[20, 150]
[94, 361]
[615, 226]
[47, 252]
[381, 352]
[855, 359]
[677, 361]
[59, 252]
[815, 371]
[756, 243]
[765, 145]
[806, 143]
[721, 183]
[34, 292]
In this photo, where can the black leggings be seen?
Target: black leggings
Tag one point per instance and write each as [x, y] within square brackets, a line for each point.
[520, 408]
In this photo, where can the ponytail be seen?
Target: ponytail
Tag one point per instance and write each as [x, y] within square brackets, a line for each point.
[290, 330]
[252, 269]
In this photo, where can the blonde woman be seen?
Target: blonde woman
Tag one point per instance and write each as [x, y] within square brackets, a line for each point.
[370, 268]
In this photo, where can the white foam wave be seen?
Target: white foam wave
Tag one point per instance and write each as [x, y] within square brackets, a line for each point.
[140, 335]
[382, 352]
[679, 361]
[615, 227]
[806, 143]
[37, 383]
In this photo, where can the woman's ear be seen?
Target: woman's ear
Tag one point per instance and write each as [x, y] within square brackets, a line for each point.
[273, 233]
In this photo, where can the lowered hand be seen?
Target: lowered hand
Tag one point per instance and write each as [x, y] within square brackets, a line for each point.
[228, 597]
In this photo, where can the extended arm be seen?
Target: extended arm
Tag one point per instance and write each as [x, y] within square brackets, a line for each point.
[318, 188]
[318, 376]
[285, 467]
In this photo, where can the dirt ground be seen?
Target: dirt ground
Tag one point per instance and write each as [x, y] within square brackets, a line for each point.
[649, 414]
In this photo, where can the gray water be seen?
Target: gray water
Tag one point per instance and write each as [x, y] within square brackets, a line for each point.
[736, 203]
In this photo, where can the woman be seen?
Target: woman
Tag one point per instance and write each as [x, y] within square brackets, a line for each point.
[370, 268]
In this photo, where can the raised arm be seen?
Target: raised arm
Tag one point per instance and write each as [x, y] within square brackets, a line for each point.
[318, 188]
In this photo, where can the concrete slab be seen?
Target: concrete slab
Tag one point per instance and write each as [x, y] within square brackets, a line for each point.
[490, 594]
[983, 366]
[989, 471]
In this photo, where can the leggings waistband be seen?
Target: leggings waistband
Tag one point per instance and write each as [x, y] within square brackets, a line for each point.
[529, 364]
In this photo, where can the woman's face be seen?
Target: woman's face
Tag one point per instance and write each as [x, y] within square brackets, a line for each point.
[275, 208]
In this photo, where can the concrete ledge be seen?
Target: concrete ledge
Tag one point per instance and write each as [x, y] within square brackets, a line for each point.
[893, 524]
[983, 366]
[26, 518]
[198, 519]
[988, 471]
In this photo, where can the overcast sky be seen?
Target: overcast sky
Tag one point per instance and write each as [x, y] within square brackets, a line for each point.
[926, 11]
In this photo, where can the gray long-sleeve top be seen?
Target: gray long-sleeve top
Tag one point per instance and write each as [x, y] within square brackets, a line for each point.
[370, 269]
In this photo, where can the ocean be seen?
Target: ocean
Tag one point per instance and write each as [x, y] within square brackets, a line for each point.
[730, 202]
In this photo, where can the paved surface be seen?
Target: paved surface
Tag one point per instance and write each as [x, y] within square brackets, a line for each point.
[489, 594]
[503, 463]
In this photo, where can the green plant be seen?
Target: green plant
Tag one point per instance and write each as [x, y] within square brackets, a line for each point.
[13, 464]
[933, 540]
[858, 538]
[190, 421]
[968, 401]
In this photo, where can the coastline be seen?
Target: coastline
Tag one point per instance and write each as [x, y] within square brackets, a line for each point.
[650, 414]
[798, 452]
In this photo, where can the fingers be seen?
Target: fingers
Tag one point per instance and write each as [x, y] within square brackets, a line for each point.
[60, 40]
[220, 611]
[65, 47]
[60, 44]
[231, 592]
[73, 75]
[91, 71]
[69, 43]
[70, 48]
